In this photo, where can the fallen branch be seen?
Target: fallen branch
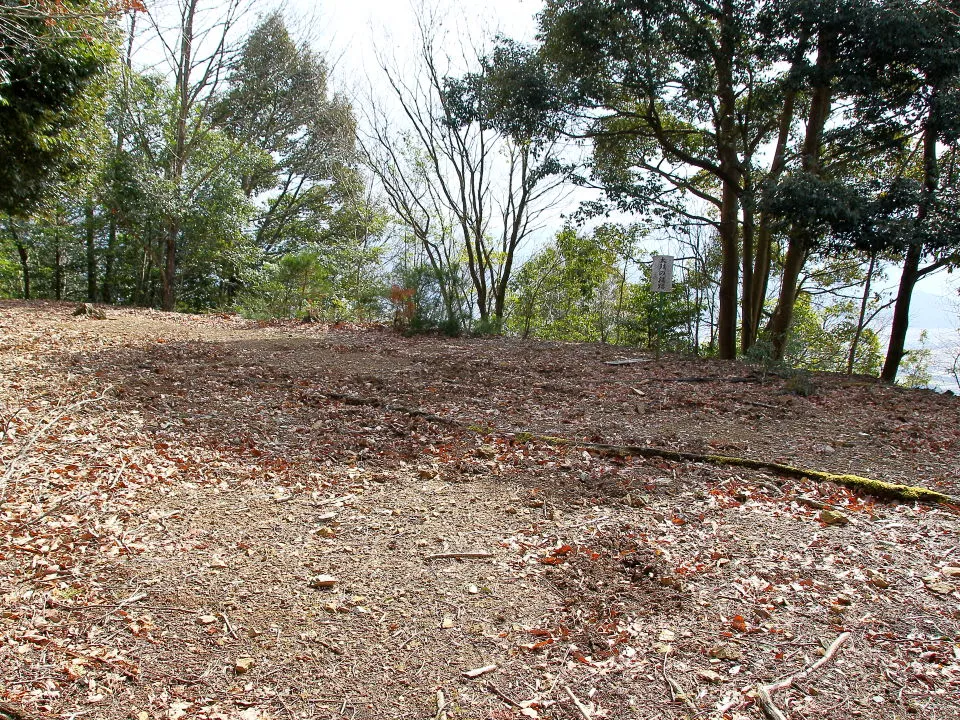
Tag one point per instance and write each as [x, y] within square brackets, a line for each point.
[676, 692]
[43, 426]
[627, 361]
[459, 556]
[878, 488]
[584, 711]
[503, 696]
[765, 692]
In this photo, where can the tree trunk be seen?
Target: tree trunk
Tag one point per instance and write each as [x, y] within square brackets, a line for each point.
[168, 298]
[57, 262]
[864, 301]
[799, 243]
[901, 315]
[731, 178]
[783, 315]
[24, 256]
[106, 288]
[747, 325]
[91, 251]
[729, 273]
[911, 265]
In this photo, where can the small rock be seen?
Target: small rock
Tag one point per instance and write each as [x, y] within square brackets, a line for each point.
[324, 582]
[447, 623]
[91, 311]
[710, 675]
[473, 589]
[725, 651]
[207, 619]
[486, 452]
[951, 572]
[326, 532]
[634, 500]
[667, 636]
[243, 665]
[940, 588]
[327, 519]
[877, 579]
[831, 517]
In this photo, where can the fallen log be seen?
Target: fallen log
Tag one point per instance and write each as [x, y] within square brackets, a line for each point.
[877, 488]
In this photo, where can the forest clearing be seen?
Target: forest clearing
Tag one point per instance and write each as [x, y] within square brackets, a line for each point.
[211, 517]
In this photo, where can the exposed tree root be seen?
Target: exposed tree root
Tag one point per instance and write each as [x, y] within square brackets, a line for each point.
[877, 488]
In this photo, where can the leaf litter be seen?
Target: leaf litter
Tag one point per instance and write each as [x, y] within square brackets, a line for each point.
[192, 526]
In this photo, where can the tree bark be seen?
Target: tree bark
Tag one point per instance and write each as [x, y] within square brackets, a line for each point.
[748, 332]
[864, 301]
[24, 254]
[57, 262]
[731, 177]
[800, 239]
[91, 251]
[783, 317]
[911, 265]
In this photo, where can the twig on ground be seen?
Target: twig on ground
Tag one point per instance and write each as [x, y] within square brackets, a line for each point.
[137, 596]
[459, 556]
[676, 692]
[43, 426]
[41, 516]
[765, 692]
[503, 696]
[584, 711]
[226, 622]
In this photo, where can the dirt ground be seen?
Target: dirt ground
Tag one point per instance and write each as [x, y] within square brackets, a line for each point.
[206, 517]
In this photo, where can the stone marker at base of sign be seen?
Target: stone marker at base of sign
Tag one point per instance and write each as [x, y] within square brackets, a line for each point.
[661, 273]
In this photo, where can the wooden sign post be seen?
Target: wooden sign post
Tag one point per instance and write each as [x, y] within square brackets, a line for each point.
[661, 281]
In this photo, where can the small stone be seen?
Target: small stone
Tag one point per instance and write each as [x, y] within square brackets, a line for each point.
[447, 623]
[486, 452]
[327, 518]
[877, 579]
[725, 651]
[951, 572]
[710, 675]
[326, 532]
[940, 588]
[831, 517]
[207, 619]
[243, 665]
[667, 636]
[473, 589]
[324, 582]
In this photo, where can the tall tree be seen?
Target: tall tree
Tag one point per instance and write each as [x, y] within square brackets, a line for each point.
[663, 90]
[52, 57]
[484, 188]
[197, 52]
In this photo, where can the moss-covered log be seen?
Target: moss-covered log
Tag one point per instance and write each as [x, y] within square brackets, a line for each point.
[877, 488]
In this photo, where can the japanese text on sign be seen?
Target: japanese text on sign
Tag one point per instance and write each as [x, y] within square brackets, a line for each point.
[661, 275]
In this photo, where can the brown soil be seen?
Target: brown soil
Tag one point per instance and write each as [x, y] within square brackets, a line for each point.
[171, 487]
